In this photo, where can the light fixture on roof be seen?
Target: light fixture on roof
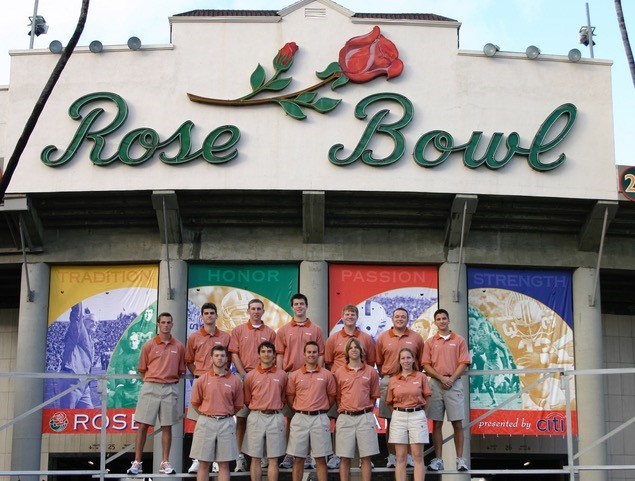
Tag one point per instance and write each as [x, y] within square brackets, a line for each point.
[532, 52]
[38, 26]
[95, 46]
[574, 55]
[134, 43]
[56, 46]
[490, 49]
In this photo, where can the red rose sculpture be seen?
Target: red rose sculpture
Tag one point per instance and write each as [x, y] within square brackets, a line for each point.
[284, 59]
[368, 56]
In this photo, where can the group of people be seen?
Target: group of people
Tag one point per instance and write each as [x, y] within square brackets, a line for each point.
[295, 373]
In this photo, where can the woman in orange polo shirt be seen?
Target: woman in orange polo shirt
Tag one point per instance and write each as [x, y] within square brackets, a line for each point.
[407, 394]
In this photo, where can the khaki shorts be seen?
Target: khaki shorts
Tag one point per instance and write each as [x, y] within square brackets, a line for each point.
[310, 434]
[214, 440]
[265, 430]
[160, 401]
[360, 430]
[409, 428]
[442, 401]
[384, 410]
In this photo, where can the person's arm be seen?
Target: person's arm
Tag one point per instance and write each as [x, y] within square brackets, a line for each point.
[238, 364]
[280, 361]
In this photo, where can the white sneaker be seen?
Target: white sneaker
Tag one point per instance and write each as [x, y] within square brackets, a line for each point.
[214, 467]
[410, 462]
[461, 464]
[136, 468]
[194, 468]
[391, 461]
[264, 463]
[309, 463]
[436, 465]
[333, 462]
[166, 468]
[287, 462]
[241, 464]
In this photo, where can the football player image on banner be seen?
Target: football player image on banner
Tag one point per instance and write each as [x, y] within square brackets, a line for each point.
[230, 288]
[99, 317]
[378, 290]
[520, 319]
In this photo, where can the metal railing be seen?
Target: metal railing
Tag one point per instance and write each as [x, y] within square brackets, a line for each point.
[572, 468]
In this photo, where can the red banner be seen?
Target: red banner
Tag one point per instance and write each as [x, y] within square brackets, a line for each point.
[86, 421]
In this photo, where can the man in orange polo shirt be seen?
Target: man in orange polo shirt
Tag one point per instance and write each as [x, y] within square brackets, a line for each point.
[198, 353]
[265, 395]
[245, 339]
[357, 390]
[161, 363]
[335, 357]
[445, 357]
[290, 341]
[389, 343]
[216, 396]
[311, 392]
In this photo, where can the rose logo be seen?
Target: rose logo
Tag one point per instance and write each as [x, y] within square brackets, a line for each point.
[361, 59]
[58, 422]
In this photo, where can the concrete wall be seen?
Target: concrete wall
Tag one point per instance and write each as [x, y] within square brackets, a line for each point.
[619, 348]
[8, 344]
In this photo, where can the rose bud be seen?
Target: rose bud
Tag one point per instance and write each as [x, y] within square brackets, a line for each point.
[368, 56]
[284, 58]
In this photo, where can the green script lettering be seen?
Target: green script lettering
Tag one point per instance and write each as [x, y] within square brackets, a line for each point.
[362, 151]
[139, 145]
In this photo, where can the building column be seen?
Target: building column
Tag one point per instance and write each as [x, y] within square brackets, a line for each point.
[589, 354]
[31, 357]
[453, 298]
[314, 282]
[177, 306]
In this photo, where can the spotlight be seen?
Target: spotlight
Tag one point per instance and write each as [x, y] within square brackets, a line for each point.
[532, 52]
[134, 43]
[490, 49]
[40, 25]
[95, 46]
[55, 46]
[574, 55]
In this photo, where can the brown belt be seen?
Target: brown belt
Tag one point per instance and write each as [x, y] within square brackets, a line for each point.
[213, 416]
[357, 413]
[266, 411]
[313, 413]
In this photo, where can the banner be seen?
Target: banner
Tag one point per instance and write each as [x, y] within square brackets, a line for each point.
[99, 317]
[520, 319]
[377, 291]
[231, 287]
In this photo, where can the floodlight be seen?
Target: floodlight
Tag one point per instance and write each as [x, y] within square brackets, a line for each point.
[532, 52]
[95, 46]
[490, 49]
[40, 25]
[574, 55]
[56, 46]
[134, 43]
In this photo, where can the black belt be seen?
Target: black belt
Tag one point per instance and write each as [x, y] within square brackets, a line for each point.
[409, 410]
[225, 416]
[313, 413]
[266, 411]
[357, 413]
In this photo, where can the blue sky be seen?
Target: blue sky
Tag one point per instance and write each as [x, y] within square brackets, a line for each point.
[552, 25]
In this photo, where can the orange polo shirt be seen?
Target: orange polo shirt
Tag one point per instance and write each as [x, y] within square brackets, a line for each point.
[311, 389]
[245, 340]
[389, 344]
[408, 392]
[162, 362]
[265, 389]
[334, 356]
[356, 389]
[290, 341]
[199, 348]
[215, 395]
[445, 356]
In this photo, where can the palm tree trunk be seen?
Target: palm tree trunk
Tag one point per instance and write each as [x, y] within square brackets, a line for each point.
[41, 101]
[627, 44]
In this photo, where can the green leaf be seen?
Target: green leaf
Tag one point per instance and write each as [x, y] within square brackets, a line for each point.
[257, 78]
[343, 80]
[292, 109]
[278, 85]
[328, 71]
[306, 97]
[325, 104]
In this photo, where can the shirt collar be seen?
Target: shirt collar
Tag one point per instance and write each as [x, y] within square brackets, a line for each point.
[305, 370]
[391, 332]
[251, 327]
[205, 333]
[262, 370]
[355, 333]
[437, 336]
[157, 340]
[307, 323]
